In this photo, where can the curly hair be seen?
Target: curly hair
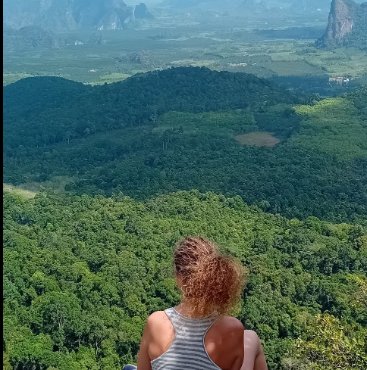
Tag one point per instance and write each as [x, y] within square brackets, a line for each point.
[209, 280]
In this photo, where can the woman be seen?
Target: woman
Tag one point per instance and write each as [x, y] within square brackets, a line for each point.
[197, 334]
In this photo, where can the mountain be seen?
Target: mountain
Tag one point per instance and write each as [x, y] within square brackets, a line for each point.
[29, 38]
[201, 5]
[293, 6]
[347, 25]
[141, 11]
[310, 6]
[250, 8]
[65, 15]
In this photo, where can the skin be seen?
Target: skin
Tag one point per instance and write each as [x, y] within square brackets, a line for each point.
[227, 343]
[223, 341]
[254, 358]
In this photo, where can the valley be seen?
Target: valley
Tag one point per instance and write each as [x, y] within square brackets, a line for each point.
[280, 46]
[129, 127]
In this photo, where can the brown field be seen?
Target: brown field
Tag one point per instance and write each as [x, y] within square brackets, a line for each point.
[258, 138]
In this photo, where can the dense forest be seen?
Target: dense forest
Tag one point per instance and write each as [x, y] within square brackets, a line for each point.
[277, 180]
[53, 110]
[82, 273]
[187, 128]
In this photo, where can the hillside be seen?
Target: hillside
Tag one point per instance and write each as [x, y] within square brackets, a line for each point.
[74, 108]
[347, 25]
[81, 274]
[190, 128]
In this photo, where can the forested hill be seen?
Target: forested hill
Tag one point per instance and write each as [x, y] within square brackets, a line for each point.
[48, 110]
[31, 96]
[162, 155]
[81, 274]
[191, 128]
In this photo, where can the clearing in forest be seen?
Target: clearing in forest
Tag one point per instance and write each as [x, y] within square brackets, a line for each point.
[258, 138]
[20, 191]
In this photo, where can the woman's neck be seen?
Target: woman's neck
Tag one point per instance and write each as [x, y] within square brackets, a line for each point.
[187, 309]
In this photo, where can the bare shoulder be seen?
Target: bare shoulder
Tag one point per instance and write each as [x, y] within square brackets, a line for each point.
[159, 334]
[155, 317]
[230, 323]
[230, 328]
[252, 341]
[158, 323]
[224, 342]
[252, 335]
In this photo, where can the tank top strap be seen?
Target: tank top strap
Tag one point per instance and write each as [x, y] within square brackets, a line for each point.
[183, 324]
[173, 316]
[187, 350]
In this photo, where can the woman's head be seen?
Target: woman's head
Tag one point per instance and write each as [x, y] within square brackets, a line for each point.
[209, 281]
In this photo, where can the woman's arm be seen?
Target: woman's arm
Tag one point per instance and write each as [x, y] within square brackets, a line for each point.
[157, 336]
[260, 361]
[143, 355]
[254, 358]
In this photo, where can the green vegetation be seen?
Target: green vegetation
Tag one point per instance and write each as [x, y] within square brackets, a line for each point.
[110, 56]
[333, 126]
[136, 165]
[53, 110]
[177, 129]
[104, 176]
[18, 190]
[329, 345]
[82, 273]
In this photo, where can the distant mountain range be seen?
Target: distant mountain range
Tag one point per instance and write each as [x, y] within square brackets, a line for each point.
[66, 15]
[347, 25]
[201, 3]
[291, 5]
[258, 8]
[36, 38]
[295, 6]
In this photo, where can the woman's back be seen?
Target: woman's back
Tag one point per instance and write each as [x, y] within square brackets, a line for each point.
[187, 347]
[175, 341]
[197, 335]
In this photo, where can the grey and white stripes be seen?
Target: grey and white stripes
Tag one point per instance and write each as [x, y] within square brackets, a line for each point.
[187, 350]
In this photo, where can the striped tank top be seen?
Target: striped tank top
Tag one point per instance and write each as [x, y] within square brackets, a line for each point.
[187, 350]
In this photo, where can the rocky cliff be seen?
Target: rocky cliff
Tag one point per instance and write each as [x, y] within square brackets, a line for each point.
[66, 15]
[347, 25]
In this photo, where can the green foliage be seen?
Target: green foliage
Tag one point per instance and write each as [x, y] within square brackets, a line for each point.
[334, 126]
[81, 274]
[329, 345]
[318, 169]
[46, 110]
